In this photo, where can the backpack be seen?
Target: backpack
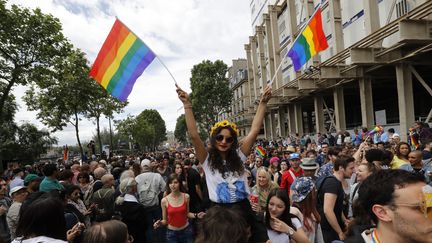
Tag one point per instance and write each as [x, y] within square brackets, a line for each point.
[148, 196]
[88, 195]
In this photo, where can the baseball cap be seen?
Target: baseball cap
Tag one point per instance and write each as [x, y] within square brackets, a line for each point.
[145, 162]
[31, 177]
[15, 189]
[191, 156]
[301, 187]
[396, 135]
[294, 156]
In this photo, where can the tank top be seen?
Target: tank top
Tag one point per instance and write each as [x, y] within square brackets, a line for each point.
[177, 216]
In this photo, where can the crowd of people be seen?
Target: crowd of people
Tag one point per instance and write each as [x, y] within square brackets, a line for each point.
[345, 188]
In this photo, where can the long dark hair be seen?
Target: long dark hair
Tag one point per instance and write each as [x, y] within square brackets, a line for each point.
[233, 161]
[286, 215]
[42, 215]
[397, 150]
[171, 178]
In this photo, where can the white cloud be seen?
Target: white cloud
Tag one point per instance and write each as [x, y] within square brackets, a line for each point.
[182, 33]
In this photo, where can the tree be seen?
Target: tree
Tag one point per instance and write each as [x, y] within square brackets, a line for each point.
[63, 98]
[211, 94]
[138, 130]
[153, 118]
[32, 142]
[30, 41]
[180, 132]
[103, 104]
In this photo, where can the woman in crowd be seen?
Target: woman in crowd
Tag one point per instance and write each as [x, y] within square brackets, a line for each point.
[273, 168]
[305, 198]
[364, 170]
[283, 167]
[175, 212]
[282, 226]
[83, 182]
[76, 206]
[401, 155]
[132, 212]
[223, 161]
[180, 172]
[42, 220]
[261, 190]
[108, 232]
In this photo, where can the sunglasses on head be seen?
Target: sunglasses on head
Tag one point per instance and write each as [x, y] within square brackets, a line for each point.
[220, 138]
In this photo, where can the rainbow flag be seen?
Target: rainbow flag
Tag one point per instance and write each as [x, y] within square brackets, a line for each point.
[260, 151]
[413, 141]
[121, 60]
[310, 42]
[377, 128]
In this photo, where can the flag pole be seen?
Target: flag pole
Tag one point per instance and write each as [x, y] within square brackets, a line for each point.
[160, 60]
[302, 29]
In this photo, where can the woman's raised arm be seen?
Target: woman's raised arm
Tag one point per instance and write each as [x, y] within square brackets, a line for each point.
[200, 150]
[257, 122]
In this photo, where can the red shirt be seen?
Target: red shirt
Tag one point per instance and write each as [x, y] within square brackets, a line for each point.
[288, 179]
[177, 216]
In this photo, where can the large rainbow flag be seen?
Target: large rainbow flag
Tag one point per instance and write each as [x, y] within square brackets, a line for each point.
[311, 41]
[121, 60]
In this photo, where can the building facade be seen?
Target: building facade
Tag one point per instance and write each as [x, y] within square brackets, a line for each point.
[375, 71]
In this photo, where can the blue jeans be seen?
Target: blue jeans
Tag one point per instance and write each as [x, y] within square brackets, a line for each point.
[180, 236]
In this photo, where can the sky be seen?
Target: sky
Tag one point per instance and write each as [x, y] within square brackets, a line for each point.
[182, 33]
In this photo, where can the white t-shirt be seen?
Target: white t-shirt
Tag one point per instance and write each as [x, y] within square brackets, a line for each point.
[275, 236]
[231, 189]
[39, 239]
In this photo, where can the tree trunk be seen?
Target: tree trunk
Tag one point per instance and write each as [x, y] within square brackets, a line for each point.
[98, 135]
[4, 97]
[77, 135]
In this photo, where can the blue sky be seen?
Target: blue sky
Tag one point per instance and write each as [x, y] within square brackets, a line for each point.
[182, 33]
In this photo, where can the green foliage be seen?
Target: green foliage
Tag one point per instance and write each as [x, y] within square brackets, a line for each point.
[180, 132]
[105, 139]
[62, 98]
[27, 143]
[147, 129]
[31, 44]
[211, 94]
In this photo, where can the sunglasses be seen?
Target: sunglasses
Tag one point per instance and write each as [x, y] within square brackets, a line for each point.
[220, 138]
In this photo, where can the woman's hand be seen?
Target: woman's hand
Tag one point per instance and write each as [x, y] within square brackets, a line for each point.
[255, 207]
[201, 215]
[267, 94]
[280, 226]
[75, 231]
[183, 96]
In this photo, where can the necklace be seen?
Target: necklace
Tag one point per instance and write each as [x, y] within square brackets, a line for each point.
[375, 237]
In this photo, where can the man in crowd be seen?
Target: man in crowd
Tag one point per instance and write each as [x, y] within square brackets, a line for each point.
[5, 203]
[327, 169]
[17, 180]
[292, 173]
[321, 158]
[385, 137]
[150, 186]
[19, 195]
[309, 167]
[330, 199]
[393, 200]
[193, 181]
[50, 181]
[104, 199]
[32, 182]
[258, 164]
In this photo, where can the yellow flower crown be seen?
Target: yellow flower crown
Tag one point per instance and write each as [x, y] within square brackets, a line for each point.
[224, 123]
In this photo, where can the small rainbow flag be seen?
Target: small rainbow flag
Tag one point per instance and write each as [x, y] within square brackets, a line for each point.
[260, 151]
[413, 141]
[121, 60]
[310, 42]
[377, 128]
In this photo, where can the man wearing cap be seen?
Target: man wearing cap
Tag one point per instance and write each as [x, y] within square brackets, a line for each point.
[17, 180]
[309, 167]
[32, 182]
[292, 173]
[19, 195]
[150, 185]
